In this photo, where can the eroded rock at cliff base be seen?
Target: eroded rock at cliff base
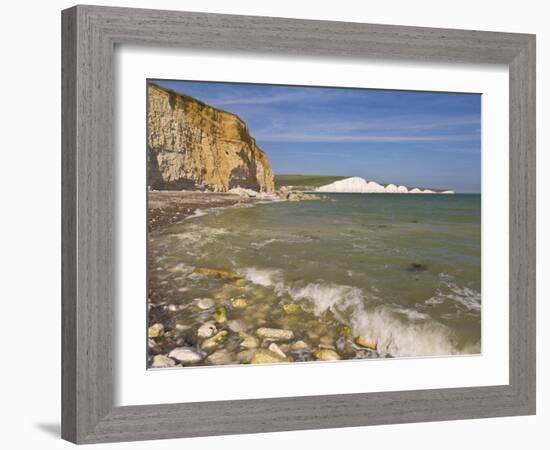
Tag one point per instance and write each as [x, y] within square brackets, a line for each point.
[192, 145]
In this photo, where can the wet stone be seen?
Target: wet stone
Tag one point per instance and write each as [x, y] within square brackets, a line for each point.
[325, 354]
[236, 326]
[206, 330]
[417, 267]
[205, 303]
[156, 330]
[239, 303]
[366, 342]
[213, 342]
[162, 361]
[186, 355]
[220, 357]
[276, 349]
[264, 356]
[250, 342]
[220, 316]
[275, 334]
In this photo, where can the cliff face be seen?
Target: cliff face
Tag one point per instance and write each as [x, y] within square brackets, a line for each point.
[192, 145]
[360, 185]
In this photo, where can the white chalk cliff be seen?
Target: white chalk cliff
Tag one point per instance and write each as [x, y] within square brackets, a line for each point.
[360, 185]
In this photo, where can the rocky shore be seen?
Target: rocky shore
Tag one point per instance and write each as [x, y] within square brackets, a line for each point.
[169, 207]
[236, 326]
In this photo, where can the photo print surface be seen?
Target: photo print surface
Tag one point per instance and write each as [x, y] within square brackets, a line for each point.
[291, 224]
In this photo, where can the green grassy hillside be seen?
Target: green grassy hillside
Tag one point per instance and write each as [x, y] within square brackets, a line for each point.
[305, 182]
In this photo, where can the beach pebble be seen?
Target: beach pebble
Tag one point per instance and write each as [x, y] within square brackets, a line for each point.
[206, 330]
[156, 330]
[275, 334]
[239, 303]
[174, 308]
[291, 308]
[275, 349]
[220, 315]
[236, 326]
[345, 331]
[299, 346]
[245, 357]
[263, 356]
[327, 341]
[205, 303]
[186, 355]
[250, 342]
[182, 327]
[153, 346]
[214, 341]
[162, 361]
[220, 357]
[326, 354]
[366, 342]
[217, 273]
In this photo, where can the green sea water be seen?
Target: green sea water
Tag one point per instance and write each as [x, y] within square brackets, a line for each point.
[404, 270]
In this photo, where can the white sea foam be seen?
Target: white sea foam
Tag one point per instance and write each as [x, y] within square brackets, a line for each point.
[198, 213]
[350, 305]
[264, 243]
[262, 277]
[467, 297]
[181, 268]
[392, 335]
[412, 314]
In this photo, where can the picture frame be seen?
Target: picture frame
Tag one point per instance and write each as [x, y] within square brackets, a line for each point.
[90, 34]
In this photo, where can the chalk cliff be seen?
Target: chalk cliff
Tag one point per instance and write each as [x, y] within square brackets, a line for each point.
[192, 145]
[360, 185]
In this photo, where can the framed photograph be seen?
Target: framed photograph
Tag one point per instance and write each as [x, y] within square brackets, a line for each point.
[278, 224]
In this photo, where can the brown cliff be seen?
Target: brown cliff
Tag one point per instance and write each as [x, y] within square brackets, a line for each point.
[192, 145]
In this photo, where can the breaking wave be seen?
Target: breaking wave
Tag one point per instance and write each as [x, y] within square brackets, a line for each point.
[398, 331]
[465, 297]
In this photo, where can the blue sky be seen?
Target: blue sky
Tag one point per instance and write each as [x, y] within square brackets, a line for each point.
[426, 139]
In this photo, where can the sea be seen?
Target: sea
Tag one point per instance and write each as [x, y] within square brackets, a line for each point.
[403, 270]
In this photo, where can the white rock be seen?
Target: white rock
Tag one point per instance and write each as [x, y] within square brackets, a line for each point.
[162, 361]
[360, 185]
[206, 330]
[250, 342]
[275, 334]
[275, 349]
[182, 327]
[236, 326]
[186, 355]
[173, 307]
[205, 303]
[299, 345]
[220, 357]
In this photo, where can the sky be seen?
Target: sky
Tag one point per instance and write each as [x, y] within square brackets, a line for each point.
[424, 139]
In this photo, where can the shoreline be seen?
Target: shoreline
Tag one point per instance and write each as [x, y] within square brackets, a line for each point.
[205, 309]
[166, 208]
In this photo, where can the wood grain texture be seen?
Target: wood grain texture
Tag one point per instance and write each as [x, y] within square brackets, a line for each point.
[89, 36]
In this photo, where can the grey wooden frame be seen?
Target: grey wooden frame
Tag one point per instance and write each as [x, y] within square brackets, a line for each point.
[90, 34]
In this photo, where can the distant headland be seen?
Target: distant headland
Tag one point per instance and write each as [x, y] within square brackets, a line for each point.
[360, 185]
